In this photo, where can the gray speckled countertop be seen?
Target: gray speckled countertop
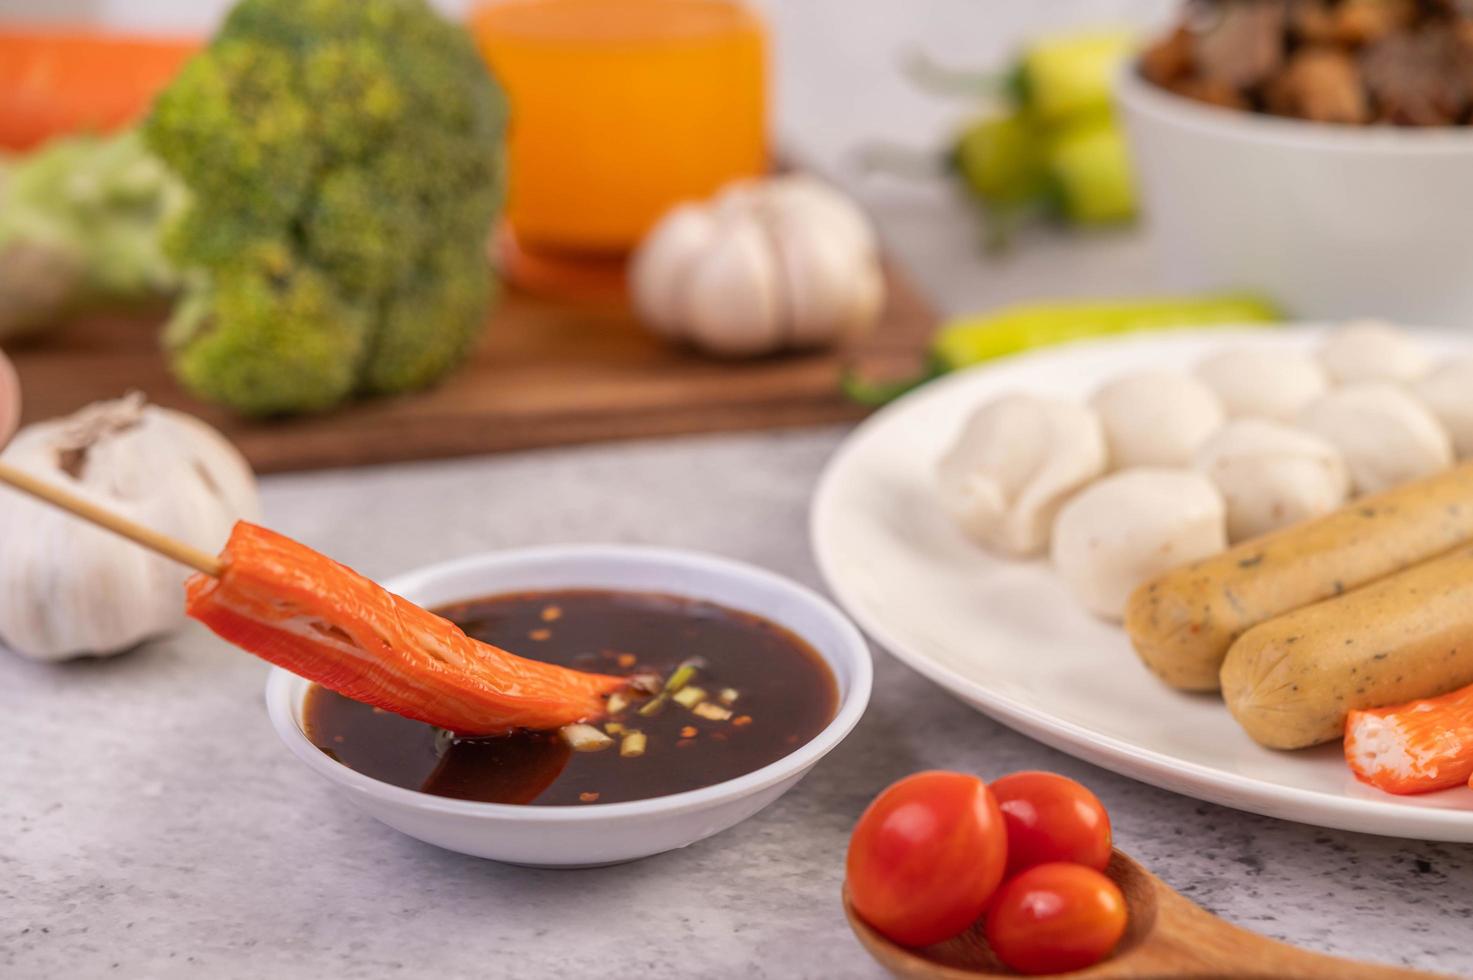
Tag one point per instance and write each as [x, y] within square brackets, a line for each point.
[152, 826]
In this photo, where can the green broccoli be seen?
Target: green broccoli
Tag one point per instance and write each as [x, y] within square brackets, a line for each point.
[345, 160]
[79, 226]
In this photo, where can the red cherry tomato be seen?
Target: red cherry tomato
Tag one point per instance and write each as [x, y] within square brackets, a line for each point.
[1054, 918]
[926, 856]
[1052, 818]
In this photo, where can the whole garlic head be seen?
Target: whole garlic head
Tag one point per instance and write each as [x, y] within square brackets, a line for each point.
[1016, 461]
[771, 264]
[69, 589]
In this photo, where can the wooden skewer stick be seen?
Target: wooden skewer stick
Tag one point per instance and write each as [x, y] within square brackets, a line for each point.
[118, 524]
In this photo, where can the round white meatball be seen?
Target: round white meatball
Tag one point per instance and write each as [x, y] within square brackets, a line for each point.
[1156, 418]
[1369, 350]
[1448, 392]
[1272, 475]
[1386, 436]
[1014, 463]
[1132, 526]
[1258, 382]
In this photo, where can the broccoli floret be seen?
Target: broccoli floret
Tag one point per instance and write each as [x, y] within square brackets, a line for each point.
[345, 160]
[79, 224]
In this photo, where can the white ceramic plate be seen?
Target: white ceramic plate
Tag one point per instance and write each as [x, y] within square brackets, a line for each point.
[1007, 637]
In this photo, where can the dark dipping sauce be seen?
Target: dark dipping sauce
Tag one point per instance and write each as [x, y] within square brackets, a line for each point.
[786, 696]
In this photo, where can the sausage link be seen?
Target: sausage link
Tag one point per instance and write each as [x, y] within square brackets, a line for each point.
[1182, 622]
[1291, 681]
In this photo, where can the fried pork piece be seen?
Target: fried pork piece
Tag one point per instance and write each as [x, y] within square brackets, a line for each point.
[1322, 85]
[1423, 78]
[1350, 22]
[1356, 62]
[1242, 46]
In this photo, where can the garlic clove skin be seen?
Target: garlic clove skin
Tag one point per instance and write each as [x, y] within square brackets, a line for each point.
[730, 299]
[660, 268]
[825, 203]
[832, 289]
[69, 589]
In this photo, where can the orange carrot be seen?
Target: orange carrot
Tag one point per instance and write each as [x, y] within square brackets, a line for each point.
[1416, 747]
[61, 81]
[321, 620]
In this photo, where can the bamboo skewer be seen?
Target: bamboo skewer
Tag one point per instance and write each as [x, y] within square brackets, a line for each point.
[57, 496]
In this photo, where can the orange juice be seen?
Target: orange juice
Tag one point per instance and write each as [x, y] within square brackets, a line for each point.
[620, 109]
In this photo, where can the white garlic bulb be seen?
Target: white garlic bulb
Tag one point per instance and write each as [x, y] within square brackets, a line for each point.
[70, 589]
[784, 262]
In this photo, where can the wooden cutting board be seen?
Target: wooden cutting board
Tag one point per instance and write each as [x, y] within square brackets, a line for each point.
[546, 373]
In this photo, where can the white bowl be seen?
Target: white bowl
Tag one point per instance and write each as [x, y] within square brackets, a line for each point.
[1332, 221]
[577, 836]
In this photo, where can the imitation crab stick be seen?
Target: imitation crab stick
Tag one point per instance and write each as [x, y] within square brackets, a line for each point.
[321, 620]
[1416, 747]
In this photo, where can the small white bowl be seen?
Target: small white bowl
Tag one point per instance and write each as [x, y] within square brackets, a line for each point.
[580, 836]
[1333, 221]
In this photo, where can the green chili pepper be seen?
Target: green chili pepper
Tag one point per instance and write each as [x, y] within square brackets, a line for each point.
[1002, 160]
[1071, 75]
[1090, 167]
[968, 340]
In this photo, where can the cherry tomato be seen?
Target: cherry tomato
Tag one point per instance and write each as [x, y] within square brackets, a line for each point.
[1054, 918]
[926, 856]
[1052, 818]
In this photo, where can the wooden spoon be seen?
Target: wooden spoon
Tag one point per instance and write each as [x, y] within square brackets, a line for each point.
[1168, 936]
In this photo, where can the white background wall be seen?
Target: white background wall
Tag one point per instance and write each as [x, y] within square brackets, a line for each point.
[836, 66]
[839, 86]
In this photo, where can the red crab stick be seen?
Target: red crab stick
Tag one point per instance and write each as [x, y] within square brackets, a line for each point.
[321, 620]
[1416, 747]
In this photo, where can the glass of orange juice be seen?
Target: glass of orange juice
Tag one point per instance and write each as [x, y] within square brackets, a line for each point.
[619, 110]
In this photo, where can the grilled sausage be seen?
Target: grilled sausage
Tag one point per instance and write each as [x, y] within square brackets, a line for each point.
[1183, 621]
[1291, 681]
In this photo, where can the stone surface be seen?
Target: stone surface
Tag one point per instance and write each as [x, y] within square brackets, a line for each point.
[151, 825]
